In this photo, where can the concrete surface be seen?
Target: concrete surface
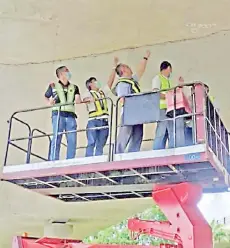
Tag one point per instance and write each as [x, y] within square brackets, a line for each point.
[26, 211]
[85, 35]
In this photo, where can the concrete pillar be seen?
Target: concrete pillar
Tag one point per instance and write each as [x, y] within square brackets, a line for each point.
[58, 230]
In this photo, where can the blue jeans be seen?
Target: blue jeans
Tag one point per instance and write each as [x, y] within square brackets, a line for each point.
[96, 138]
[188, 136]
[165, 131]
[129, 135]
[65, 124]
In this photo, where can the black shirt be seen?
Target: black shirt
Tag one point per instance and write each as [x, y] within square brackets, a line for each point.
[49, 93]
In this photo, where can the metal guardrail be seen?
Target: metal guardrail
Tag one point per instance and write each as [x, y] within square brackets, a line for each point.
[213, 124]
[31, 136]
[224, 221]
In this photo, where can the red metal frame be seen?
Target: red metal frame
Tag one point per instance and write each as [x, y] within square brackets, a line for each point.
[104, 166]
[186, 227]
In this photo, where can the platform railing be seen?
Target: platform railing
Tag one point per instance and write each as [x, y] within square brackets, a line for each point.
[193, 115]
[217, 134]
[212, 123]
[31, 132]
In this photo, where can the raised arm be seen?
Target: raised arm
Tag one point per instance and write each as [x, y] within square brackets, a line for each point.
[113, 73]
[142, 65]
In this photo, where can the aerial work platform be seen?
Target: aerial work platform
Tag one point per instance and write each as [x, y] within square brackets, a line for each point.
[130, 175]
[173, 177]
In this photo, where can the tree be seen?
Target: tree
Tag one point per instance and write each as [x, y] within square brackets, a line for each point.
[119, 234]
[220, 234]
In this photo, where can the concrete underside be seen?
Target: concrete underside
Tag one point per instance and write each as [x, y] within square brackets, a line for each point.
[25, 211]
[38, 36]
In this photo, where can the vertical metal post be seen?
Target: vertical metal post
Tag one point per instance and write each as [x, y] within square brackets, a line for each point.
[29, 147]
[194, 131]
[215, 131]
[174, 117]
[209, 123]
[116, 124]
[110, 130]
[221, 142]
[224, 150]
[8, 140]
[56, 133]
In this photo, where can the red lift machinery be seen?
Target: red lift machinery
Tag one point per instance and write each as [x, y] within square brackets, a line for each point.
[179, 175]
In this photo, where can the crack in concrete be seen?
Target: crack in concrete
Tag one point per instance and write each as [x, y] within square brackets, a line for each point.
[116, 50]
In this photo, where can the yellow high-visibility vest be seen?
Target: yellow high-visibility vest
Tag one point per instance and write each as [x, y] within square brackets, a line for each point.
[101, 106]
[58, 89]
[165, 84]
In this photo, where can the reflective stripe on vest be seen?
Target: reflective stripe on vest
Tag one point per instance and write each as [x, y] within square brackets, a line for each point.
[101, 106]
[135, 88]
[58, 88]
[165, 84]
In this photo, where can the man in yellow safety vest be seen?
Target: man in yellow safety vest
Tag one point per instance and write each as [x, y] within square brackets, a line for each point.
[97, 106]
[127, 84]
[63, 92]
[164, 129]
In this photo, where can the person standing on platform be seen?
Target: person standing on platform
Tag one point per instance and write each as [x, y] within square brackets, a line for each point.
[97, 106]
[127, 84]
[164, 129]
[63, 92]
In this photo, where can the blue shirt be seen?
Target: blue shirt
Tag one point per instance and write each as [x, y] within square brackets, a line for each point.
[124, 89]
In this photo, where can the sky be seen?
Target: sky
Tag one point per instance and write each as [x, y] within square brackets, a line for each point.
[215, 206]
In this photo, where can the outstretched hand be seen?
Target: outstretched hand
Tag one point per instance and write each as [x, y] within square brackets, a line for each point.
[148, 53]
[116, 61]
[181, 80]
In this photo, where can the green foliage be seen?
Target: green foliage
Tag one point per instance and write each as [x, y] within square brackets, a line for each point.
[220, 234]
[119, 234]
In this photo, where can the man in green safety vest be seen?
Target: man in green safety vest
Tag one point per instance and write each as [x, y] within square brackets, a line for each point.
[164, 129]
[63, 92]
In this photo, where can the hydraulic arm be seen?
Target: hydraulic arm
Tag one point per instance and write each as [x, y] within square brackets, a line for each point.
[186, 227]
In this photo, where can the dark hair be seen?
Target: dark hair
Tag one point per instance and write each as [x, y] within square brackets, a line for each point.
[88, 81]
[60, 69]
[118, 69]
[164, 65]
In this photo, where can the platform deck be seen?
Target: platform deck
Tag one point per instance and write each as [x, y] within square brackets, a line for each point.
[129, 175]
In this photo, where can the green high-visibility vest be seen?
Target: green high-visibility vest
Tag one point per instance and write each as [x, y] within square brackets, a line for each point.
[58, 89]
[165, 84]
